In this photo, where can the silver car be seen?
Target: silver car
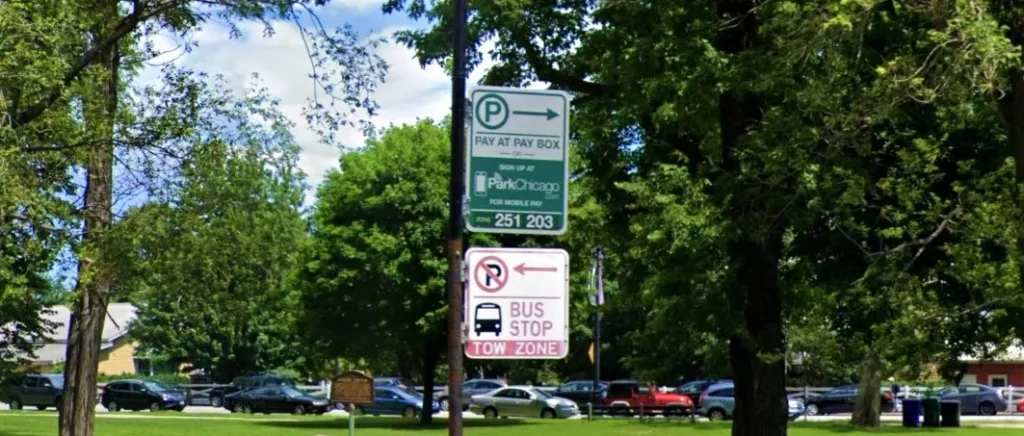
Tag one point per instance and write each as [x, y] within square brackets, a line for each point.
[522, 401]
[719, 402]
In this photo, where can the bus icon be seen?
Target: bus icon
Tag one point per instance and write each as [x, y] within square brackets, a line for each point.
[487, 317]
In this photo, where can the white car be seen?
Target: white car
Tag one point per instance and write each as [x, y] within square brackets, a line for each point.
[522, 401]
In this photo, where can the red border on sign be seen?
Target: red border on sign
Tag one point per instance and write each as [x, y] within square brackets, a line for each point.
[482, 264]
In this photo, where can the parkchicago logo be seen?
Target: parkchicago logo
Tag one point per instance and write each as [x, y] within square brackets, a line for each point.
[500, 183]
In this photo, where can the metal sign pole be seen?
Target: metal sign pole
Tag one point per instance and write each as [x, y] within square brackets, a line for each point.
[456, 189]
[351, 420]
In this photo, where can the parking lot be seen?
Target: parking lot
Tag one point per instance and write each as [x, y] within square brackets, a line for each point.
[207, 410]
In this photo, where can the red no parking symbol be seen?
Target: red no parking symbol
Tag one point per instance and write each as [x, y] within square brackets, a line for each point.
[490, 274]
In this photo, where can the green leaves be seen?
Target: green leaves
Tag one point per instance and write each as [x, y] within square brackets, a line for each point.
[376, 265]
[208, 262]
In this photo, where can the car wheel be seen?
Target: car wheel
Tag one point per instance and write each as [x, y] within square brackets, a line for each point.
[154, 407]
[987, 409]
[812, 410]
[113, 406]
[299, 410]
[41, 407]
[716, 415]
[548, 414]
[490, 413]
[444, 404]
[15, 404]
[216, 401]
[621, 411]
[409, 412]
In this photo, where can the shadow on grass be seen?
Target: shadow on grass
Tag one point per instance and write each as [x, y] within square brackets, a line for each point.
[393, 424]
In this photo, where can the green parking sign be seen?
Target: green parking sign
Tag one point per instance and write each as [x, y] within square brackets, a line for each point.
[518, 161]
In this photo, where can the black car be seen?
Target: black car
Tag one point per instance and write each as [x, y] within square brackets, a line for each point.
[39, 390]
[244, 383]
[582, 392]
[271, 399]
[841, 400]
[140, 395]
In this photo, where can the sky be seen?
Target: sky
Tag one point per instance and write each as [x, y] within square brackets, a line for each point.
[409, 92]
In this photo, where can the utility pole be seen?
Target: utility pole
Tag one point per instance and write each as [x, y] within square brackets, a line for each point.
[456, 189]
[597, 300]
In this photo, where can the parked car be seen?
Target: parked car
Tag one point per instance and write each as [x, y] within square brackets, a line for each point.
[177, 389]
[719, 401]
[625, 397]
[470, 388]
[393, 381]
[695, 388]
[244, 383]
[522, 401]
[140, 395]
[975, 399]
[582, 392]
[395, 400]
[840, 400]
[275, 398]
[39, 390]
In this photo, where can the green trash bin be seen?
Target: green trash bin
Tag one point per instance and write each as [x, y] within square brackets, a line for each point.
[931, 412]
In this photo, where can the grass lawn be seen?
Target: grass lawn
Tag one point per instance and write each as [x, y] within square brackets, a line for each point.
[38, 424]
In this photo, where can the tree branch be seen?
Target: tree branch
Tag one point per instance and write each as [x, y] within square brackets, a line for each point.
[123, 28]
[924, 243]
[27, 220]
[544, 71]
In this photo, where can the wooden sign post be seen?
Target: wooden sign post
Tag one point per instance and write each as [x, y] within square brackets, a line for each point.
[352, 388]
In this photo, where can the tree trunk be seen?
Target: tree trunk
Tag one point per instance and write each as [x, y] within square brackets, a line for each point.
[78, 402]
[430, 358]
[867, 409]
[758, 353]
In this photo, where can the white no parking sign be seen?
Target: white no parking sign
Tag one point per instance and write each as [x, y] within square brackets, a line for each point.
[517, 303]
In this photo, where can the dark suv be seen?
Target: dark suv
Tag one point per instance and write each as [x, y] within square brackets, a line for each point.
[140, 395]
[245, 383]
[40, 390]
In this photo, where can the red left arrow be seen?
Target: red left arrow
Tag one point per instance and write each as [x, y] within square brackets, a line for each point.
[522, 268]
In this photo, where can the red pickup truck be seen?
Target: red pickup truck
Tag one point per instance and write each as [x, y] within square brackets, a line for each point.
[628, 397]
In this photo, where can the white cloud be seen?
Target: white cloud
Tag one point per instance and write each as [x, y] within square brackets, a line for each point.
[409, 93]
[356, 5]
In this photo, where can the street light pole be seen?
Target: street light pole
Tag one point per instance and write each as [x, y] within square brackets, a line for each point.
[456, 189]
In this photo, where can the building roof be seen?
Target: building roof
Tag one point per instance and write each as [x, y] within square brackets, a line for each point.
[54, 348]
[1013, 353]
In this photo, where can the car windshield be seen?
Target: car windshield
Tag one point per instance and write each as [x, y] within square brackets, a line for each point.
[57, 380]
[154, 386]
[291, 392]
[410, 392]
[541, 394]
